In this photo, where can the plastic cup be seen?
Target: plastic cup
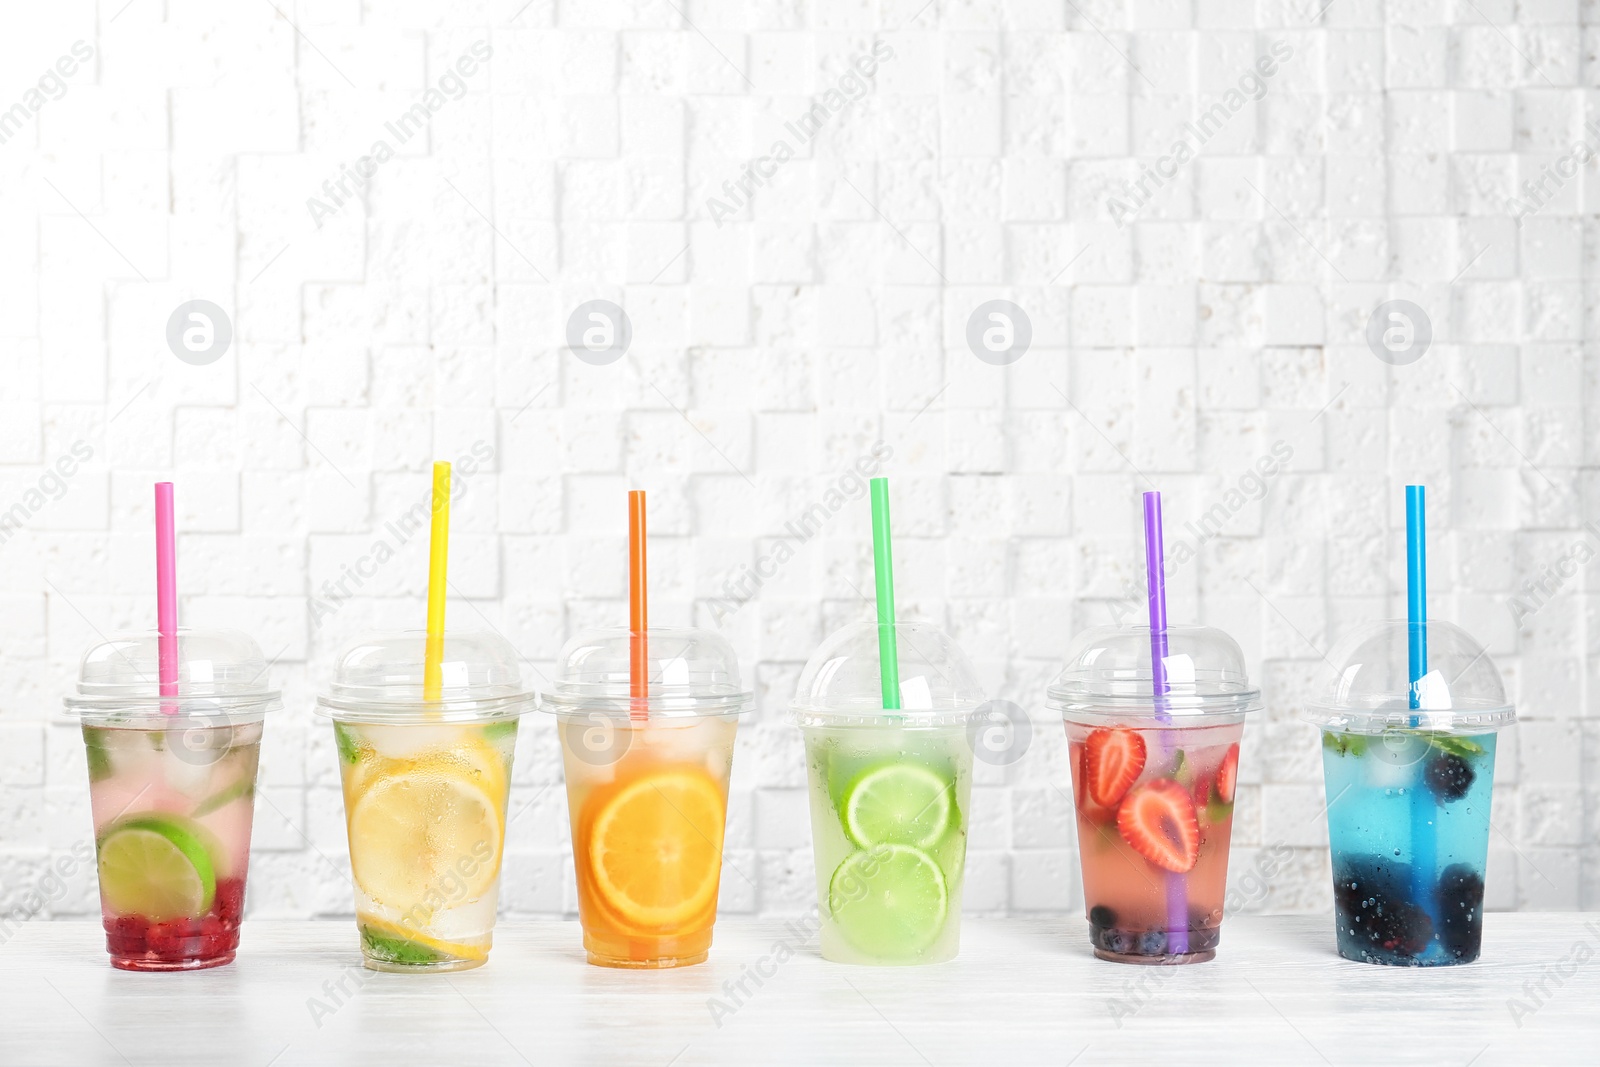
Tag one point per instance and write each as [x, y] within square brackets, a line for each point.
[1408, 793]
[647, 789]
[1154, 783]
[425, 788]
[172, 789]
[890, 793]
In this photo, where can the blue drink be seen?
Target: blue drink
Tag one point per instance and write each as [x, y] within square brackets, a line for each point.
[1408, 828]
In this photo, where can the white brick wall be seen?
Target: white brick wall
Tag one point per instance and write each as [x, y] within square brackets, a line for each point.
[772, 347]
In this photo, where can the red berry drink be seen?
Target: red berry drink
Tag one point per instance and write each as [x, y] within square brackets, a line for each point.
[1155, 776]
[1152, 805]
[172, 814]
[172, 792]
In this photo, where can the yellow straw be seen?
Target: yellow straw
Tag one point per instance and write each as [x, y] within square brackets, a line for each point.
[438, 554]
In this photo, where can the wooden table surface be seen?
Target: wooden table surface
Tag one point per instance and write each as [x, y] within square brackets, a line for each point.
[1022, 992]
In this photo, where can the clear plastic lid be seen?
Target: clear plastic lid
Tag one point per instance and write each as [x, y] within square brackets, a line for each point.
[1108, 677]
[1371, 686]
[222, 678]
[691, 672]
[842, 684]
[380, 678]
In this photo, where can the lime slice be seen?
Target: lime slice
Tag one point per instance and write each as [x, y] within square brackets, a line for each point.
[395, 944]
[889, 901]
[158, 867]
[899, 804]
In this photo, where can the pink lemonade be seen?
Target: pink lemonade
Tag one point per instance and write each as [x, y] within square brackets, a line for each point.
[172, 812]
[1155, 807]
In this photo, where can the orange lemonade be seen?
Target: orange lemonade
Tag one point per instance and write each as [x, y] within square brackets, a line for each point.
[648, 812]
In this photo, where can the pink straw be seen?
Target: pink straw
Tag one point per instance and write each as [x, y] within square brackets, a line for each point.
[167, 594]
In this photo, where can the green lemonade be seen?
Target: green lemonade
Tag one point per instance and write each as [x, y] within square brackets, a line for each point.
[889, 819]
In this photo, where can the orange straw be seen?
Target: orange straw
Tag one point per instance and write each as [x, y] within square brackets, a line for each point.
[638, 624]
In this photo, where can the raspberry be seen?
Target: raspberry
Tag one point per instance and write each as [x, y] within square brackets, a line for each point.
[230, 899]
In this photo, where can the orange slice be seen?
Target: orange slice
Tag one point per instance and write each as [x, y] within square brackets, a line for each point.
[655, 846]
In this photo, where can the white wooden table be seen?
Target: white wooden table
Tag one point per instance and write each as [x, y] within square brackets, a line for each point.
[1022, 992]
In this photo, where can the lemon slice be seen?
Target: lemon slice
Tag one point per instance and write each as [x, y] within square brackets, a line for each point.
[415, 832]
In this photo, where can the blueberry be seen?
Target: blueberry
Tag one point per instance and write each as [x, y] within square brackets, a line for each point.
[1449, 776]
[1461, 911]
[1102, 916]
[1153, 943]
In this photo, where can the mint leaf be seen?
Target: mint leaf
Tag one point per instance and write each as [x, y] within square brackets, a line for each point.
[1464, 747]
[349, 745]
[99, 759]
[1345, 744]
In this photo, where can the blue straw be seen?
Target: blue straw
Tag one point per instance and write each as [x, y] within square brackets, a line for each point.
[1417, 591]
[1423, 851]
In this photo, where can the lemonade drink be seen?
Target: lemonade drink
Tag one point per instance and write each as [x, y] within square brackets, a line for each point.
[425, 790]
[889, 831]
[172, 819]
[1155, 778]
[1409, 773]
[647, 833]
[647, 788]
[172, 793]
[1150, 804]
[425, 808]
[890, 792]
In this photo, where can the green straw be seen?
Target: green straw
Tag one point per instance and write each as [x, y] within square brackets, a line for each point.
[883, 569]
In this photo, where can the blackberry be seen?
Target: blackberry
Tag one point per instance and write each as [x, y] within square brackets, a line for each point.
[1461, 911]
[1449, 776]
[1375, 913]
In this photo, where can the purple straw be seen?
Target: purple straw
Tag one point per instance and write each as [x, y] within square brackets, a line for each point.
[1156, 577]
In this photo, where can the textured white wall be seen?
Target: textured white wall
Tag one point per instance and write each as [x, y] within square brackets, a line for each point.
[1185, 323]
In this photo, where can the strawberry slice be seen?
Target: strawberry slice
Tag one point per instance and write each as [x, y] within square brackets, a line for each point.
[1158, 820]
[1113, 760]
[1228, 775]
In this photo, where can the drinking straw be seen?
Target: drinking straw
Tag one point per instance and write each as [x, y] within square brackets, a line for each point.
[1155, 569]
[638, 609]
[883, 573]
[1416, 592]
[166, 596]
[438, 556]
[1423, 853]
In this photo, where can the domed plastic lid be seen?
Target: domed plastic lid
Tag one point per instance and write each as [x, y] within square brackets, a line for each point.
[1370, 691]
[380, 678]
[842, 684]
[691, 672]
[222, 677]
[1108, 676]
